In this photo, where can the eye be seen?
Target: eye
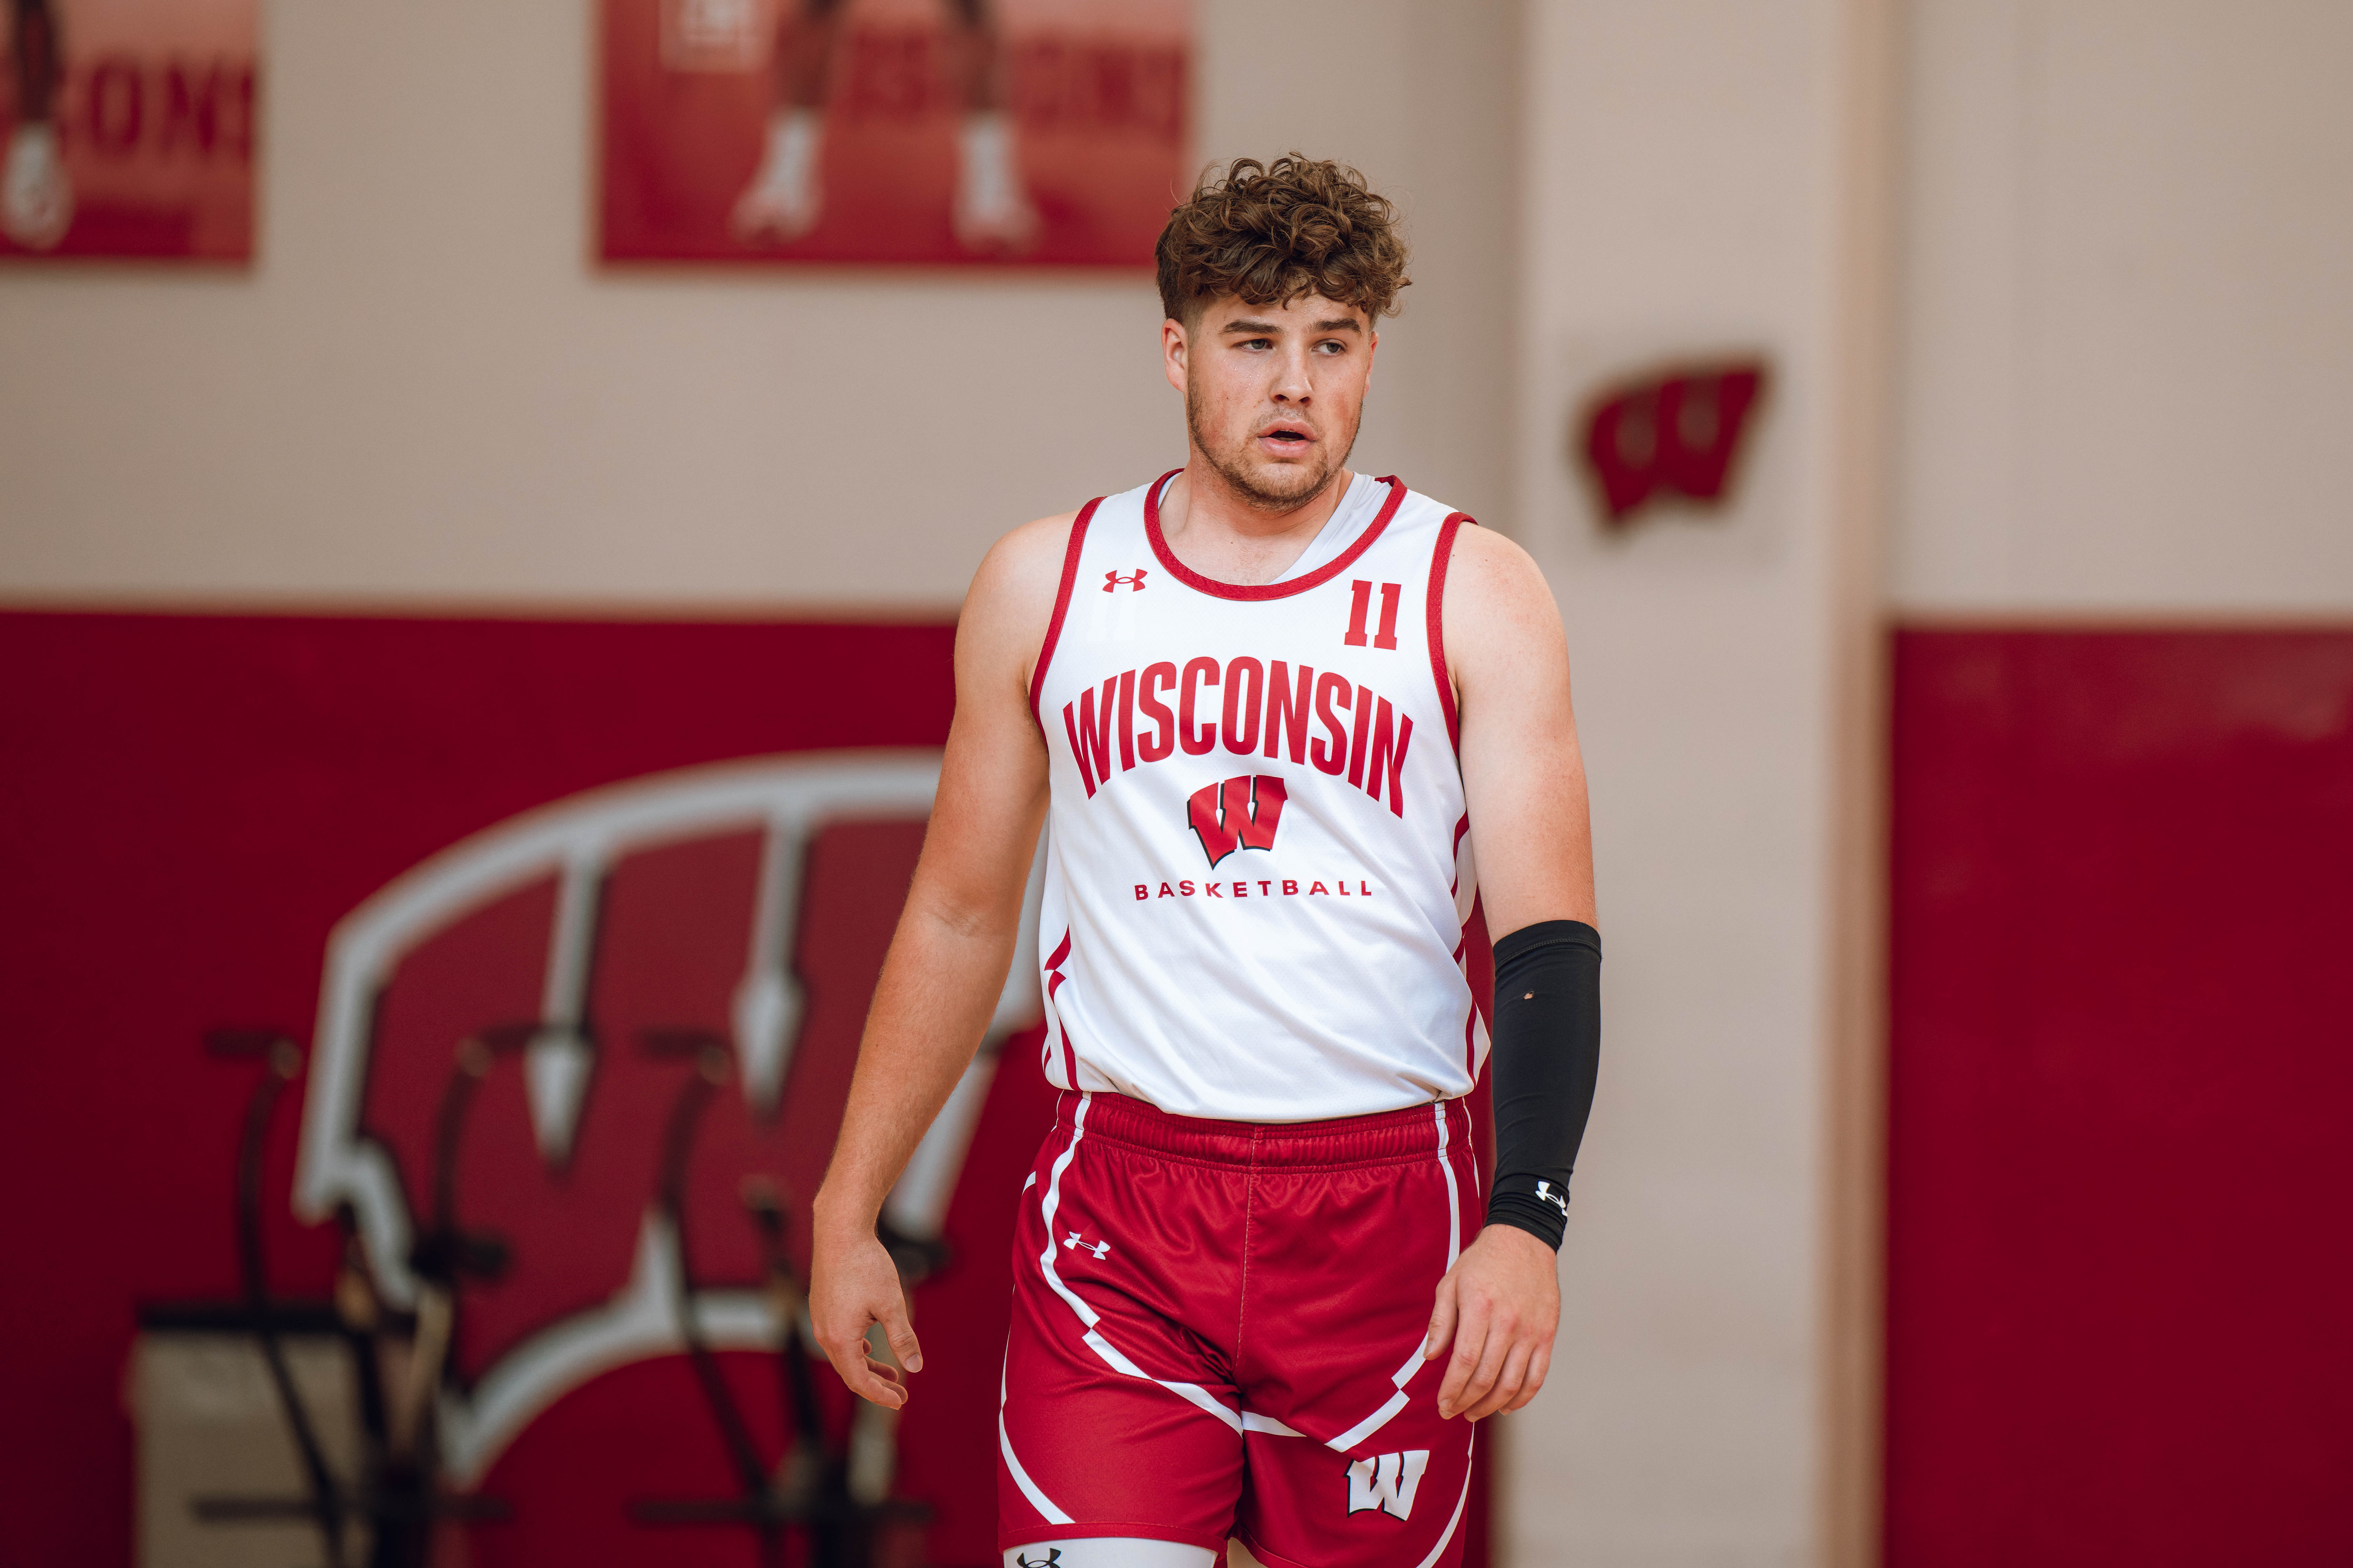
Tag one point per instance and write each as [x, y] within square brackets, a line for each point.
[1331, 346]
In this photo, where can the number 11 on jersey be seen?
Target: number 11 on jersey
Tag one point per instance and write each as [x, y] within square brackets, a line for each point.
[1361, 601]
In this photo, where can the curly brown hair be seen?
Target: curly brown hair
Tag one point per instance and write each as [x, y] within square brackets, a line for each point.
[1273, 231]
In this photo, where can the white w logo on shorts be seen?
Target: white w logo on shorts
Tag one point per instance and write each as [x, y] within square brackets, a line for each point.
[1386, 1482]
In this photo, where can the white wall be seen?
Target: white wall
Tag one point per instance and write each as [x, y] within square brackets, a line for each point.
[425, 391]
[1686, 170]
[2128, 317]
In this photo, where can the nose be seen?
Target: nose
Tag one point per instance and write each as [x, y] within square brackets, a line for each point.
[1293, 384]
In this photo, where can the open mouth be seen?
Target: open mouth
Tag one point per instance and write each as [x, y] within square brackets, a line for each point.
[1284, 436]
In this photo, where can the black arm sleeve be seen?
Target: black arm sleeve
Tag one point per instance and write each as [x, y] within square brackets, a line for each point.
[1547, 1052]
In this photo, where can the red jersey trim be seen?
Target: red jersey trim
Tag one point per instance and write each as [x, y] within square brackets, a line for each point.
[1438, 563]
[1061, 604]
[1315, 579]
[1053, 983]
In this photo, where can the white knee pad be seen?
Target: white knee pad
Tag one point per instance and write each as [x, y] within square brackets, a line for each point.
[1110, 1551]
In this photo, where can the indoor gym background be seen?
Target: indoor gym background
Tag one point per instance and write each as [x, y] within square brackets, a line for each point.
[1971, 788]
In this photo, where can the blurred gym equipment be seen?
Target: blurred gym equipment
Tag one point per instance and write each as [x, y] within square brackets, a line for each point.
[837, 1495]
[265, 1412]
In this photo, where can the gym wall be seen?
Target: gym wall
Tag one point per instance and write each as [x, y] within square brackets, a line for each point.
[2123, 593]
[426, 391]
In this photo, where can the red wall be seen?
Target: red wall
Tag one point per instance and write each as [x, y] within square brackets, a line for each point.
[2120, 1276]
[187, 804]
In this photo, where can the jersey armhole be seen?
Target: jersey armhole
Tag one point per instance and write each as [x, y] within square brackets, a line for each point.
[1062, 605]
[1437, 637]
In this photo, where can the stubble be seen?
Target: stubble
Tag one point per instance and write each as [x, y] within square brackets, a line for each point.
[1255, 493]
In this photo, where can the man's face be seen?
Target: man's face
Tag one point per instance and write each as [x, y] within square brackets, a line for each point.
[1273, 392]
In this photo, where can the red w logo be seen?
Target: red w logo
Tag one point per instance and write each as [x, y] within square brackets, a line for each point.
[1238, 814]
[1671, 435]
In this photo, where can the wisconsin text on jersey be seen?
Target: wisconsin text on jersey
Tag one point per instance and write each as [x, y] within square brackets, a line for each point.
[1260, 697]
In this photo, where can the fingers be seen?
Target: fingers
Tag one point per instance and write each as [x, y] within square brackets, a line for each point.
[900, 1335]
[1457, 1390]
[1509, 1376]
[1484, 1366]
[1501, 1301]
[1442, 1321]
[1538, 1365]
[868, 1380]
[853, 1294]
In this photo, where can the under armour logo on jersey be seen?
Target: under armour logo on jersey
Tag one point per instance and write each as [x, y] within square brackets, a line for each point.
[1133, 581]
[1071, 1243]
[1235, 813]
[1557, 1200]
[1386, 1482]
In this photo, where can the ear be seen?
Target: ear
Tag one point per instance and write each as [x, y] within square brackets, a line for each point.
[1372, 347]
[1174, 351]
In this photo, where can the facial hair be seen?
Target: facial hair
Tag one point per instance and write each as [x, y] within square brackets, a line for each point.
[1255, 494]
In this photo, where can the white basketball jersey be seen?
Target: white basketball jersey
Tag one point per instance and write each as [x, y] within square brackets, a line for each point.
[1259, 863]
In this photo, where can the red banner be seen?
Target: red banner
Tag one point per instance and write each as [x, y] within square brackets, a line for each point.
[928, 132]
[130, 128]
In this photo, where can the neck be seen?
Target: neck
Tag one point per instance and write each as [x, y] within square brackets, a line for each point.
[1218, 531]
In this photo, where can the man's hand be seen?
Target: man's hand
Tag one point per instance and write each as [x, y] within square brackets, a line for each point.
[1498, 1307]
[853, 1284]
[947, 964]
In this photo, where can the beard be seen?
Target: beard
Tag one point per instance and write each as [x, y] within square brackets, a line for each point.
[1283, 490]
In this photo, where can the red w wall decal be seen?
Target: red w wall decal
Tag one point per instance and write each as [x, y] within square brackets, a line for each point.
[1668, 436]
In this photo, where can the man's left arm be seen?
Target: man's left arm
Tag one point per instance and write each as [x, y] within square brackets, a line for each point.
[1524, 782]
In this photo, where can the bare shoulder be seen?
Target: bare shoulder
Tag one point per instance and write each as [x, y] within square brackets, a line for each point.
[1022, 567]
[1492, 570]
[1011, 599]
[1497, 605]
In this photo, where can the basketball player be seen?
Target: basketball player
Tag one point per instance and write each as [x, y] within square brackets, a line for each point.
[786, 197]
[1269, 706]
[37, 203]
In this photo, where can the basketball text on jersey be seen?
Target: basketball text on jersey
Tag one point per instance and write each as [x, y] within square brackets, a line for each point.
[1258, 861]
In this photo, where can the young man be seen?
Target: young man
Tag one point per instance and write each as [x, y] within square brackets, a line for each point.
[1262, 699]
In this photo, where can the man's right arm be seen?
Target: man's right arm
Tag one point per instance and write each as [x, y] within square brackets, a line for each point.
[947, 961]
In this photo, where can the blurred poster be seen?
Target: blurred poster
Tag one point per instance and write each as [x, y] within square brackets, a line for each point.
[928, 132]
[129, 128]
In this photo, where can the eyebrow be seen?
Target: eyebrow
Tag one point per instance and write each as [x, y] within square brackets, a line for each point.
[1332, 324]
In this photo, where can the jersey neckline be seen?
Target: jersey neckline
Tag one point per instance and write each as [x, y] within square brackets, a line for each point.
[1278, 590]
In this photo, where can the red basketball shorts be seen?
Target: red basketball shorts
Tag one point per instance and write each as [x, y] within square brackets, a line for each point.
[1217, 1331]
